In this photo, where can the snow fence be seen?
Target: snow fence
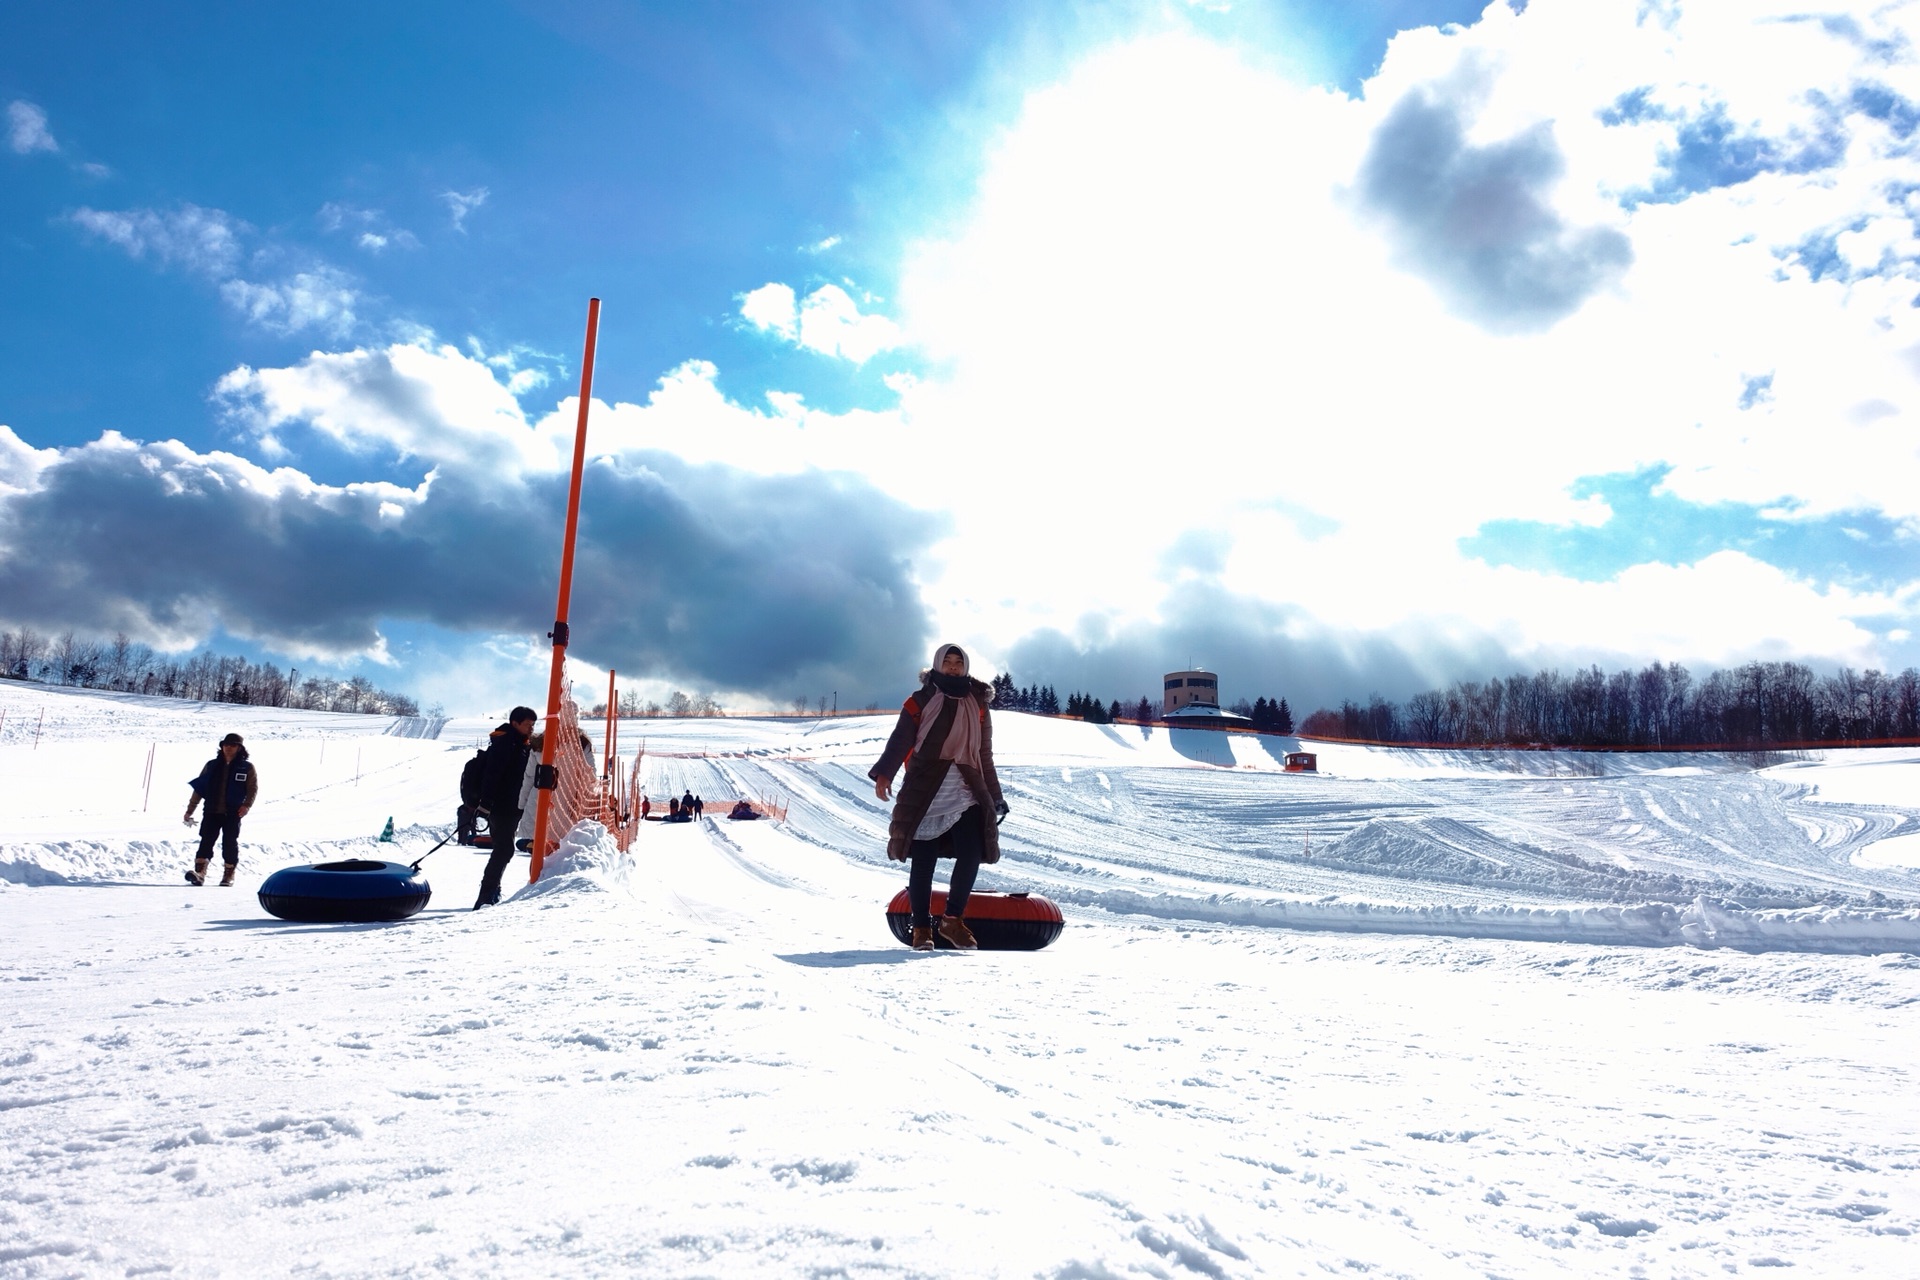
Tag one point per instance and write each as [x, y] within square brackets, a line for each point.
[1705, 922]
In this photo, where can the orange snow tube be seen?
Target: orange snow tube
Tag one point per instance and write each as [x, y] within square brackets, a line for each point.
[1000, 921]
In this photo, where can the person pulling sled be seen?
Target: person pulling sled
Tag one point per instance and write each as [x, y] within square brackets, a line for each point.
[944, 737]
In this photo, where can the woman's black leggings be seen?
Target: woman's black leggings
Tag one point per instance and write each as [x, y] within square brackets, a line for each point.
[969, 842]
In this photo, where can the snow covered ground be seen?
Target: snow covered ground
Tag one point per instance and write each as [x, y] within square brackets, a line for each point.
[1426, 1015]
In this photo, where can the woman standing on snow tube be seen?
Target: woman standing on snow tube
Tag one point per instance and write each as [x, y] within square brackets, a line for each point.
[950, 803]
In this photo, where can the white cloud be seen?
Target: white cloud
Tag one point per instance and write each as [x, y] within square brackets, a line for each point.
[772, 307]
[414, 401]
[461, 203]
[828, 321]
[27, 130]
[1165, 308]
[208, 242]
[321, 299]
[375, 231]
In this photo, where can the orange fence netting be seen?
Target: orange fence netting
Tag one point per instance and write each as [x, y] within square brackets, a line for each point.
[612, 799]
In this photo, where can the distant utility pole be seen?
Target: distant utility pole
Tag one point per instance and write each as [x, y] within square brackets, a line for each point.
[836, 702]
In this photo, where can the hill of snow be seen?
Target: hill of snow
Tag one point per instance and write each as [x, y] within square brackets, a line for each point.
[1425, 1014]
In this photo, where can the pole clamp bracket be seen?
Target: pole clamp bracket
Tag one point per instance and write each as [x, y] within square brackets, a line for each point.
[558, 635]
[546, 777]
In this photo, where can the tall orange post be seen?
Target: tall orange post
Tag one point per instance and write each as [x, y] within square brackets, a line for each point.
[606, 768]
[545, 779]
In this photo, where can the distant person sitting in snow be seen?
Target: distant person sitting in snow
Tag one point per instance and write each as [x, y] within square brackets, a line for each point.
[506, 767]
[945, 738]
[742, 811]
[646, 807]
[228, 783]
[673, 809]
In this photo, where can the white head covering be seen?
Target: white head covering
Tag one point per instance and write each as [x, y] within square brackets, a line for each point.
[940, 656]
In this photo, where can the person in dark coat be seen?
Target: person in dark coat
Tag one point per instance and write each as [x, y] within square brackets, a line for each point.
[507, 752]
[228, 783]
[950, 803]
[699, 807]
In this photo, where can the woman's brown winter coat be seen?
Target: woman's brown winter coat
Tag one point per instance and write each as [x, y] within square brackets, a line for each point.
[926, 771]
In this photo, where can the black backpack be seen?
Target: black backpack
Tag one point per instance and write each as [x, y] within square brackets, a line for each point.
[473, 779]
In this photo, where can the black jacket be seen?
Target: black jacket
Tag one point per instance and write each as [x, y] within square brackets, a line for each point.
[228, 788]
[506, 765]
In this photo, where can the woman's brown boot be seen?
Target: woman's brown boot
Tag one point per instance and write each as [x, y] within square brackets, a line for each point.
[199, 873]
[955, 931]
[923, 937]
[227, 879]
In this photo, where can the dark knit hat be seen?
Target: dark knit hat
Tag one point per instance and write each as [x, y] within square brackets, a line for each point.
[232, 740]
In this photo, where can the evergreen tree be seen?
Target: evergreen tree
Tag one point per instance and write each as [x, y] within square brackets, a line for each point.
[1144, 712]
[1049, 702]
[1113, 712]
[1262, 714]
[1282, 718]
[1004, 694]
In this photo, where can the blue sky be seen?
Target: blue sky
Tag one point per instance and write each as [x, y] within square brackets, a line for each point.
[855, 253]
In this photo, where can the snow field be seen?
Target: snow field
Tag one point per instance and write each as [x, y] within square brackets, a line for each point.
[710, 1058]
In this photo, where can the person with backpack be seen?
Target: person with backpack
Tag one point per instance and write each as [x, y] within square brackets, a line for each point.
[505, 766]
[467, 817]
[944, 737]
[229, 784]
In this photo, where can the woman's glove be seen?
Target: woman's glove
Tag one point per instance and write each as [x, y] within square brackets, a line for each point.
[1000, 812]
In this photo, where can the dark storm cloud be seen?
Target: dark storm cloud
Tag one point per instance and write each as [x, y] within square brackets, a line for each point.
[1475, 220]
[1258, 650]
[706, 575]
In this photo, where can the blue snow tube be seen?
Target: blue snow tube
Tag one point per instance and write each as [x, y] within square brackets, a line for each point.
[355, 890]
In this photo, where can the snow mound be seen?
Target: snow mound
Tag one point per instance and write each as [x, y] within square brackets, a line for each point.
[1705, 923]
[586, 861]
[91, 862]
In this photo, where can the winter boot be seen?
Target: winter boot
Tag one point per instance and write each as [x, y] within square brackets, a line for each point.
[923, 937]
[226, 879]
[199, 873]
[958, 936]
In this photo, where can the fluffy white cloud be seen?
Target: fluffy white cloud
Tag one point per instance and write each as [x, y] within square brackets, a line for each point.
[828, 321]
[27, 130]
[412, 401]
[1190, 293]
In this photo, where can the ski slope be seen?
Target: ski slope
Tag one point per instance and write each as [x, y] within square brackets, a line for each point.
[1242, 1058]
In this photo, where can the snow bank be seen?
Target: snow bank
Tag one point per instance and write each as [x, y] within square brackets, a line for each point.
[586, 861]
[1704, 923]
[90, 861]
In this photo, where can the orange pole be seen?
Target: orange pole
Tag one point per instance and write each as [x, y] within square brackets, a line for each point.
[606, 769]
[543, 809]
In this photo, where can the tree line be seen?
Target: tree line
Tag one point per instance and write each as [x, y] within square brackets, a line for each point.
[1269, 714]
[124, 666]
[1761, 704]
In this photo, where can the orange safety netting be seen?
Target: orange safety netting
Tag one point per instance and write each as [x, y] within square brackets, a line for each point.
[581, 791]
[613, 799]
